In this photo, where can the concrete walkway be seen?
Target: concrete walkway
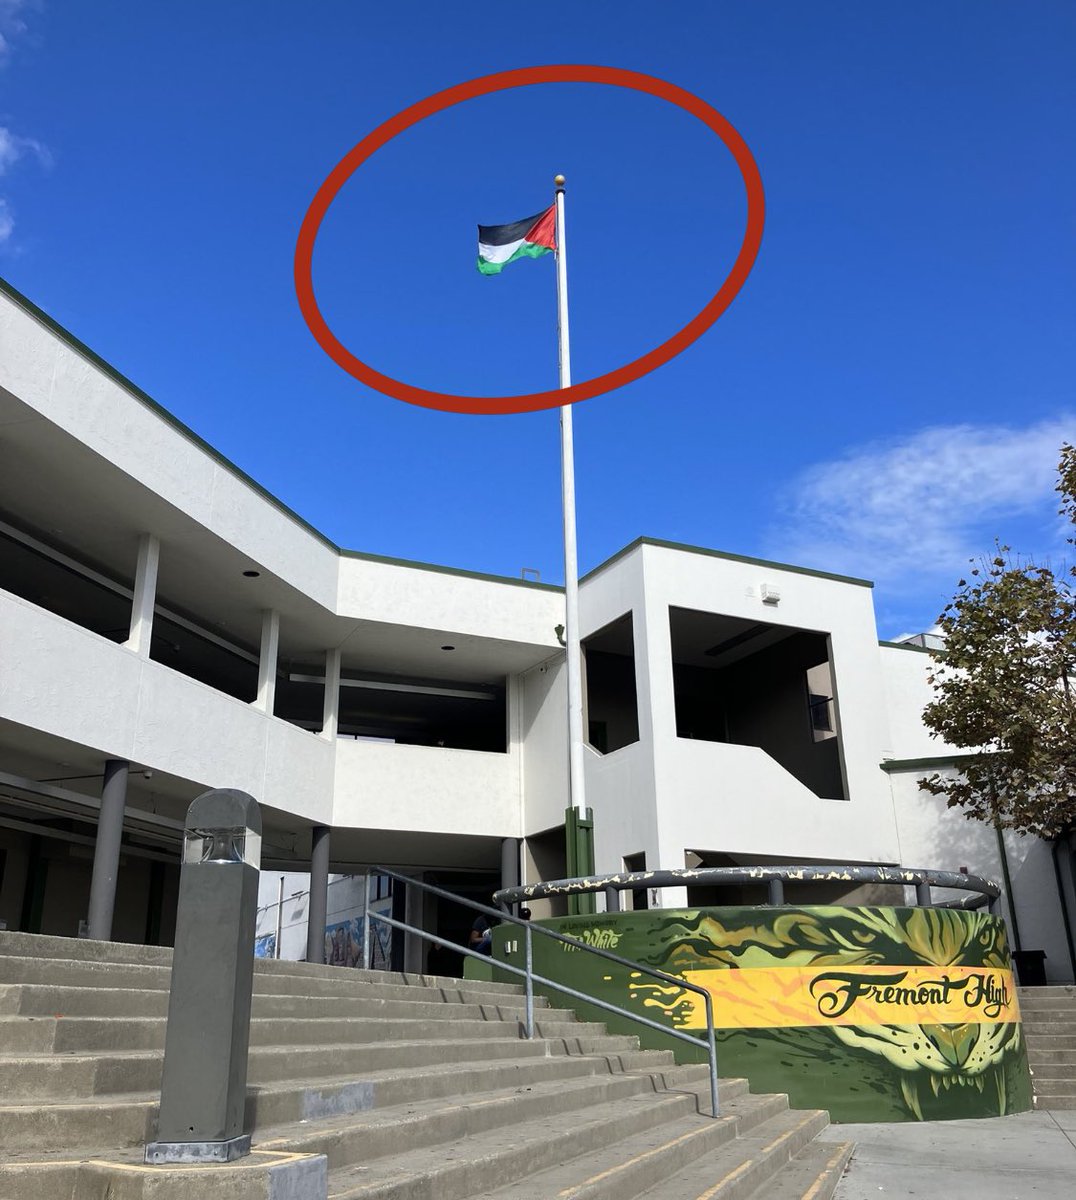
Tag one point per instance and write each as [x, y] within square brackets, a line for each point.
[1029, 1156]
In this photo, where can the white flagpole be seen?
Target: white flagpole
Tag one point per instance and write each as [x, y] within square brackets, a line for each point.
[571, 564]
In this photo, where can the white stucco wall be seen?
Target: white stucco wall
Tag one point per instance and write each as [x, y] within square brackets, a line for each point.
[907, 692]
[430, 789]
[736, 798]
[543, 730]
[61, 679]
[931, 835]
[427, 598]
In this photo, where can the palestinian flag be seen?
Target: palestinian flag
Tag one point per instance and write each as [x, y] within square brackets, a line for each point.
[532, 237]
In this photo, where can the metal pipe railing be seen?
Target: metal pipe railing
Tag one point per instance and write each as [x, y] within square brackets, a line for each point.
[709, 1043]
[775, 877]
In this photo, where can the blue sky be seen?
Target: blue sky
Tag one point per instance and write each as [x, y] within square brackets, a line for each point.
[886, 396]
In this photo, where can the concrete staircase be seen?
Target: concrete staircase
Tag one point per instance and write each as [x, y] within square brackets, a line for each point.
[1049, 1016]
[376, 1086]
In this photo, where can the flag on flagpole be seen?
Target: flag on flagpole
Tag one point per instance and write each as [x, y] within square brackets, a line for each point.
[532, 237]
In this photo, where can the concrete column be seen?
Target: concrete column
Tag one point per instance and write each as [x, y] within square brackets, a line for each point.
[267, 660]
[510, 867]
[414, 946]
[106, 853]
[331, 713]
[145, 595]
[318, 908]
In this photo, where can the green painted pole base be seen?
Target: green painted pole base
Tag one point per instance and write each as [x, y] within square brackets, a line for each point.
[579, 835]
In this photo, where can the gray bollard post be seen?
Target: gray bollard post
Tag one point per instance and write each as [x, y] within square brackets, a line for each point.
[203, 1090]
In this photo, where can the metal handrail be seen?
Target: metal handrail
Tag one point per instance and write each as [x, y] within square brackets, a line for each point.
[530, 978]
[774, 876]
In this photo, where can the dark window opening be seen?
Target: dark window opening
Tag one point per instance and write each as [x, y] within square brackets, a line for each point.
[299, 696]
[199, 657]
[64, 590]
[424, 712]
[750, 683]
[611, 700]
[637, 898]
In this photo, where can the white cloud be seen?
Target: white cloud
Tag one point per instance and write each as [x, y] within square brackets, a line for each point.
[11, 24]
[910, 512]
[13, 147]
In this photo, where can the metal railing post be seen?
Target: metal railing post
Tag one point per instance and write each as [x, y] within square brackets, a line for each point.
[711, 1046]
[367, 928]
[922, 894]
[776, 891]
[612, 900]
[528, 950]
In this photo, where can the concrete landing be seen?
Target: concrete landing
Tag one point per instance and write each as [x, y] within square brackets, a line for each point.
[1028, 1156]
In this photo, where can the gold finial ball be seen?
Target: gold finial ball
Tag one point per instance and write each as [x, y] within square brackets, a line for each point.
[558, 180]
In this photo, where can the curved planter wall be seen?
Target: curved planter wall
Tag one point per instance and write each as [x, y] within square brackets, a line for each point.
[876, 1014]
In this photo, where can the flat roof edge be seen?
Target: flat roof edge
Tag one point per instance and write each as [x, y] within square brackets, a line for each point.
[727, 556]
[927, 764]
[486, 576]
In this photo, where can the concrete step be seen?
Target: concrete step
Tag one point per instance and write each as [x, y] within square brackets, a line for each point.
[129, 1120]
[643, 1160]
[360, 1138]
[504, 1162]
[103, 1116]
[812, 1174]
[80, 950]
[1048, 1011]
[123, 1176]
[1052, 989]
[48, 1077]
[408, 1087]
[120, 1176]
[339, 982]
[39, 945]
[1052, 1070]
[1050, 1029]
[1042, 1057]
[1049, 1041]
[25, 1035]
[29, 999]
[743, 1167]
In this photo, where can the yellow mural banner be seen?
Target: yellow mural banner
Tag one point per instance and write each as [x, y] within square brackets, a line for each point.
[783, 997]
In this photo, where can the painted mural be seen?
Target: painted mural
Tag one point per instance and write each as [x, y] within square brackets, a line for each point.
[877, 1014]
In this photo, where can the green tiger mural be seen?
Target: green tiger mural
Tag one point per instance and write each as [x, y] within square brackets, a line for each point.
[877, 1014]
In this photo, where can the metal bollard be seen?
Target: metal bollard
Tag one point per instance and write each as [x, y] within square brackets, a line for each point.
[203, 1089]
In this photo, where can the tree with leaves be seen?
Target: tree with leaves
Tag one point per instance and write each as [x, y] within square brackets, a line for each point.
[1005, 689]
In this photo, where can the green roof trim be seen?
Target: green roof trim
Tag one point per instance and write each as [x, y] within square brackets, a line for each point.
[728, 557]
[926, 764]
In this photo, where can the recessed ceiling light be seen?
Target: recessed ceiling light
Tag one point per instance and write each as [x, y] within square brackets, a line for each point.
[448, 647]
[252, 574]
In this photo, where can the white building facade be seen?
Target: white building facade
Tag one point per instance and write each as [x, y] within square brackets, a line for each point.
[167, 626]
